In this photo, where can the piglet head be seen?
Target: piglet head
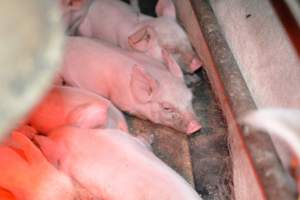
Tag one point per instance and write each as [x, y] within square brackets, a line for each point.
[163, 98]
[172, 37]
[184, 121]
[154, 40]
[164, 33]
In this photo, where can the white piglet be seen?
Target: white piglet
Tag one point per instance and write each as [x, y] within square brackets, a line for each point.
[127, 79]
[120, 24]
[113, 165]
[77, 107]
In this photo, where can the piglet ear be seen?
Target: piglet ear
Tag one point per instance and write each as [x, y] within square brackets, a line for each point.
[165, 8]
[172, 65]
[89, 115]
[142, 85]
[143, 39]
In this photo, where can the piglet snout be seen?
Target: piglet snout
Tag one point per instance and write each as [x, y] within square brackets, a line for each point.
[192, 127]
[195, 64]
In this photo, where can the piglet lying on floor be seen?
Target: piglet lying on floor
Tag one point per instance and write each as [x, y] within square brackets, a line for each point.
[26, 174]
[124, 77]
[118, 23]
[74, 106]
[113, 165]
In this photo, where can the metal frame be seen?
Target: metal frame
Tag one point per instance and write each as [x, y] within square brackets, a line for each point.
[255, 175]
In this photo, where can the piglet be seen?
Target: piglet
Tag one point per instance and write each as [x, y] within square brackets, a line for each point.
[113, 165]
[120, 24]
[132, 81]
[26, 174]
[74, 106]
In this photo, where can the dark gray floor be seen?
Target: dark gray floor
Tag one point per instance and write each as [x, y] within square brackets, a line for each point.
[146, 6]
[209, 152]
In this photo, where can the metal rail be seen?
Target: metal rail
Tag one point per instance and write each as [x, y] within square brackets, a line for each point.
[258, 173]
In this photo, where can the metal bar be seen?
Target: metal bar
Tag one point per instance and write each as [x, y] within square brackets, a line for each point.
[256, 175]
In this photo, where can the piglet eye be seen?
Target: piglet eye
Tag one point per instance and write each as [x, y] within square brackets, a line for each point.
[167, 107]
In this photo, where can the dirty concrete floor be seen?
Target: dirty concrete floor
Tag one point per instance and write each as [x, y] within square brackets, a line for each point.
[203, 158]
[209, 151]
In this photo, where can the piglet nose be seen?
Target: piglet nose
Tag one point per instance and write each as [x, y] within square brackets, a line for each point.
[193, 127]
[195, 64]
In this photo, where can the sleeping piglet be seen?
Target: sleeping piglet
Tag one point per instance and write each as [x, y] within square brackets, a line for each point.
[120, 24]
[74, 106]
[127, 79]
[113, 165]
[27, 175]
